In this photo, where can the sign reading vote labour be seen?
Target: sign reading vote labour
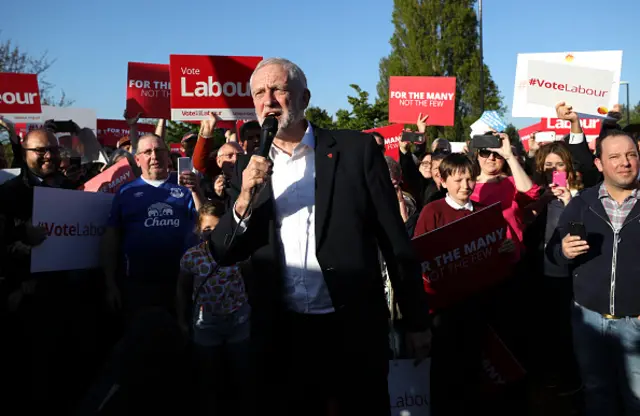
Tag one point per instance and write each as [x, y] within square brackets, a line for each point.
[74, 222]
[218, 84]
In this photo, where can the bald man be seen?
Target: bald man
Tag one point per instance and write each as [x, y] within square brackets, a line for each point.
[34, 296]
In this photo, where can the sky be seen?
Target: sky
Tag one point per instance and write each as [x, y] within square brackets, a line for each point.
[336, 42]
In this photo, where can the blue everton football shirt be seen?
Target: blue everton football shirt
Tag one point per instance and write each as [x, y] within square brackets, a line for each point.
[157, 224]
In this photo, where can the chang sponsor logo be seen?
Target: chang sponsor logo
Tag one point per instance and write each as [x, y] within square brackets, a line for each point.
[156, 216]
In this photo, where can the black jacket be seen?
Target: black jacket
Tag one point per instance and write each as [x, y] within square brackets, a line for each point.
[605, 279]
[16, 209]
[356, 212]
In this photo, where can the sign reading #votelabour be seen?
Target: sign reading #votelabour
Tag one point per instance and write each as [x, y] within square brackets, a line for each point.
[218, 84]
[588, 81]
[20, 97]
[410, 96]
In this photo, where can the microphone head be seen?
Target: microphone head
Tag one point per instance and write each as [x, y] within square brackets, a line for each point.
[267, 134]
[270, 124]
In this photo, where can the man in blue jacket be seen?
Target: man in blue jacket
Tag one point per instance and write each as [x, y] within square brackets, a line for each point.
[605, 265]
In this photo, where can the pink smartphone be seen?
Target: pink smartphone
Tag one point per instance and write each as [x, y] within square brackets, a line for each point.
[560, 178]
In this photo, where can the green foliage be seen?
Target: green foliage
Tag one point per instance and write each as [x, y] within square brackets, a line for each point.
[634, 115]
[319, 117]
[177, 129]
[363, 114]
[440, 38]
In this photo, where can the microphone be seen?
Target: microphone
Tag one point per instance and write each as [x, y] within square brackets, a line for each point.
[267, 134]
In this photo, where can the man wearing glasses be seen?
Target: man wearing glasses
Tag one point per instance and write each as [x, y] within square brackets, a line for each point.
[34, 298]
[151, 224]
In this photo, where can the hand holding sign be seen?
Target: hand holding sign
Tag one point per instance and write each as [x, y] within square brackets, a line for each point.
[207, 126]
[565, 112]
[422, 122]
[131, 121]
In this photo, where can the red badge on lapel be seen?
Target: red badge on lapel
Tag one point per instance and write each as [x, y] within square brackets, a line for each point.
[330, 155]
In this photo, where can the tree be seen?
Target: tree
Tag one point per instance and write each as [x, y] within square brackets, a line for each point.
[514, 137]
[177, 129]
[13, 59]
[363, 114]
[440, 38]
[634, 114]
[319, 117]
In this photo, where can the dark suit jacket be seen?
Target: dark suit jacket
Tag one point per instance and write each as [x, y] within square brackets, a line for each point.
[356, 212]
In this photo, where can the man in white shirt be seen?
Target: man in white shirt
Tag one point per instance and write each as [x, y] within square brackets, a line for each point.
[320, 325]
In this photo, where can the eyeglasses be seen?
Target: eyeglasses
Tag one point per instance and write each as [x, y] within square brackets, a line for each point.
[41, 151]
[485, 154]
[427, 163]
[158, 151]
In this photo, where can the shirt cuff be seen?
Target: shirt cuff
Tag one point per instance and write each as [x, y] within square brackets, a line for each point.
[576, 138]
[242, 225]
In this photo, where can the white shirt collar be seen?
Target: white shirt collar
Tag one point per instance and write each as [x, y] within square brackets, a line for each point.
[453, 204]
[155, 183]
[308, 140]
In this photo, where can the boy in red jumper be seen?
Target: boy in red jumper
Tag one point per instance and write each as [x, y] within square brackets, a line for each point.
[458, 329]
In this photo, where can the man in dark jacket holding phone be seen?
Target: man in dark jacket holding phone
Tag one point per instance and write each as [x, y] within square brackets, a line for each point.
[605, 268]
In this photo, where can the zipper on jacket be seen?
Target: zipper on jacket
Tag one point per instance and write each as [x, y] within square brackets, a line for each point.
[614, 259]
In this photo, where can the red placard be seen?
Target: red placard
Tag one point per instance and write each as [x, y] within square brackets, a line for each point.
[110, 131]
[410, 96]
[499, 366]
[462, 257]
[176, 148]
[148, 90]
[392, 135]
[590, 126]
[218, 84]
[20, 97]
[112, 179]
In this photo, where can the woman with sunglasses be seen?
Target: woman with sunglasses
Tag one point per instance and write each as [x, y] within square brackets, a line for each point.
[503, 179]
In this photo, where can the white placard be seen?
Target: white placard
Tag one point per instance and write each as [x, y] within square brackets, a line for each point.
[8, 174]
[409, 388]
[75, 223]
[588, 81]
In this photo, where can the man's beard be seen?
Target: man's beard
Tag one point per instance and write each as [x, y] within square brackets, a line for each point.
[293, 116]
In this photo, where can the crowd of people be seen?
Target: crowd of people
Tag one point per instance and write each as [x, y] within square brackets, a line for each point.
[276, 283]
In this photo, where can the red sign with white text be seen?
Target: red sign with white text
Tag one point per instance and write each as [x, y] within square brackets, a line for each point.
[110, 131]
[410, 96]
[462, 257]
[20, 97]
[218, 84]
[112, 179]
[590, 126]
[392, 135]
[148, 90]
[176, 148]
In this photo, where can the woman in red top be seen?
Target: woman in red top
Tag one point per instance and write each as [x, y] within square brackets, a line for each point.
[502, 179]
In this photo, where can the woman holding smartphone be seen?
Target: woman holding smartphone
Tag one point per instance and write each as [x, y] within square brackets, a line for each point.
[554, 171]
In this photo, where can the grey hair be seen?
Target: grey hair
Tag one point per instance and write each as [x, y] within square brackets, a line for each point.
[294, 72]
[146, 136]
